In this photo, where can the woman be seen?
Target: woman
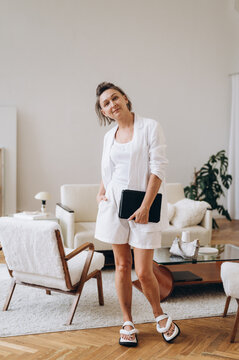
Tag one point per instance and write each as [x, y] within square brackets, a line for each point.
[133, 158]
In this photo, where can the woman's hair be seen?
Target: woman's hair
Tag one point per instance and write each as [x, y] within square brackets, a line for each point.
[104, 120]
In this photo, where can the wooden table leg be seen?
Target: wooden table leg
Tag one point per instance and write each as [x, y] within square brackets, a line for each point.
[165, 280]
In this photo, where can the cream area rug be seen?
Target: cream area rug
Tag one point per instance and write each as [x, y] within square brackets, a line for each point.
[31, 311]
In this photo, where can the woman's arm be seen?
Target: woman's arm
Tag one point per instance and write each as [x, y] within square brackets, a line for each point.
[101, 193]
[141, 215]
[157, 165]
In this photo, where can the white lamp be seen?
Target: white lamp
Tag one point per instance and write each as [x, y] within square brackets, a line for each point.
[43, 196]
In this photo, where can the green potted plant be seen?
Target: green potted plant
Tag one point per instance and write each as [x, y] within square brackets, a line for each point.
[209, 182]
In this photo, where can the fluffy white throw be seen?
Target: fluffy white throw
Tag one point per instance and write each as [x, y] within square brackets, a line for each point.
[30, 246]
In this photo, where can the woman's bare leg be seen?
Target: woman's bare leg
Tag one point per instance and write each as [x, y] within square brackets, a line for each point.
[123, 283]
[143, 259]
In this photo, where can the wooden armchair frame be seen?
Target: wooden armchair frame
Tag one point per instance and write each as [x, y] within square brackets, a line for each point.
[75, 290]
[234, 330]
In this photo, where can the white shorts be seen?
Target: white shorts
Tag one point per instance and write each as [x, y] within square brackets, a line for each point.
[111, 229]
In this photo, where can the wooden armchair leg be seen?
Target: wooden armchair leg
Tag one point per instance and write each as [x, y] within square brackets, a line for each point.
[74, 305]
[9, 297]
[234, 330]
[100, 288]
[226, 306]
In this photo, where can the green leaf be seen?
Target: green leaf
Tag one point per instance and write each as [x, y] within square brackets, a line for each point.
[209, 182]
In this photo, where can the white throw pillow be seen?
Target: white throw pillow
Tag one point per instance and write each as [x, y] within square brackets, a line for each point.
[189, 212]
[171, 211]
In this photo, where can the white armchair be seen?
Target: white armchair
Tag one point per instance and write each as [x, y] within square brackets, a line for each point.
[78, 210]
[230, 280]
[35, 256]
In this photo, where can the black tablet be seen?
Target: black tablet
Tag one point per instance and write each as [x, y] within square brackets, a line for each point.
[131, 200]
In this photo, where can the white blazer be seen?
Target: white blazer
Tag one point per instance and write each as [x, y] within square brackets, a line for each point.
[147, 157]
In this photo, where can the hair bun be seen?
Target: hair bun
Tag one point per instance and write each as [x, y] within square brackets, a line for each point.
[102, 87]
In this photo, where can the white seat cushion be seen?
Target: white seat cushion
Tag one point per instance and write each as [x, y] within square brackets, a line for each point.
[75, 265]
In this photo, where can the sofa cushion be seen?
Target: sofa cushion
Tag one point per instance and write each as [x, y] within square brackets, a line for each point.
[82, 199]
[174, 192]
[85, 231]
[188, 212]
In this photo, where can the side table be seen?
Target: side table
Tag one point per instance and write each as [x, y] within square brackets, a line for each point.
[35, 215]
[173, 271]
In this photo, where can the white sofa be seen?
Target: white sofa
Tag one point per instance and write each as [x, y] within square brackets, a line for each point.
[78, 209]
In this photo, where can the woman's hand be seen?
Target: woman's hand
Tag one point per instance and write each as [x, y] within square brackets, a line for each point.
[101, 194]
[141, 215]
[100, 197]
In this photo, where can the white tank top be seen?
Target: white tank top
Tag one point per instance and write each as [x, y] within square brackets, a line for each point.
[120, 157]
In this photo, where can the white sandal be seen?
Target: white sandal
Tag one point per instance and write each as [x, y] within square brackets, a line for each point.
[164, 330]
[125, 342]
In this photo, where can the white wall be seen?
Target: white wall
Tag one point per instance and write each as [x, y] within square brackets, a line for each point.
[172, 57]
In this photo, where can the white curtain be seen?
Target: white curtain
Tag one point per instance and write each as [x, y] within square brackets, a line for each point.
[233, 155]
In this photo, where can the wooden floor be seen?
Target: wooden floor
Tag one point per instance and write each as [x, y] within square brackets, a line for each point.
[204, 338]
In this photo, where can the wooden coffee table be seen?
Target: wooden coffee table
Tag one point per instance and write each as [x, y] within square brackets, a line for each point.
[173, 271]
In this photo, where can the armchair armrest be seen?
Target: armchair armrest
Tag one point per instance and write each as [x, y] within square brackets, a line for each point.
[207, 224]
[79, 249]
[69, 256]
[66, 218]
[207, 219]
[66, 208]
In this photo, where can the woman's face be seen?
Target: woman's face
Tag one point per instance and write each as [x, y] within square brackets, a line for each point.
[113, 104]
